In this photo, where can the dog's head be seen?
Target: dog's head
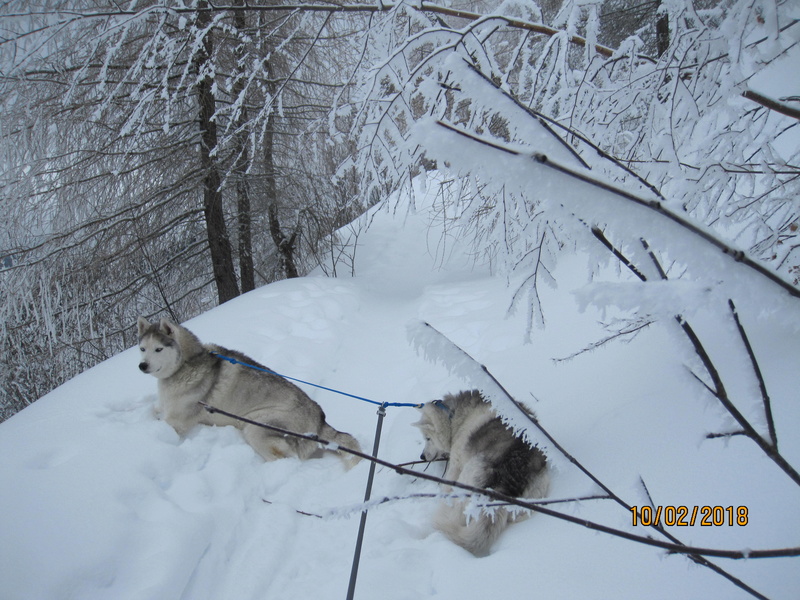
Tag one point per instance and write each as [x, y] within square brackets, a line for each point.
[160, 352]
[435, 426]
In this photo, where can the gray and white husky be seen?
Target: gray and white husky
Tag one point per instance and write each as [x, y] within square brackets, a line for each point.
[481, 452]
[189, 372]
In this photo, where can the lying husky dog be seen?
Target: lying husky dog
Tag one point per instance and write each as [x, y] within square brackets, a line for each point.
[481, 452]
[188, 372]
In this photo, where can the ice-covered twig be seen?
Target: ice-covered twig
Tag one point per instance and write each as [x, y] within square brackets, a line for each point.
[647, 491]
[717, 388]
[715, 436]
[299, 512]
[600, 236]
[476, 498]
[654, 205]
[627, 333]
[675, 548]
[762, 386]
[772, 104]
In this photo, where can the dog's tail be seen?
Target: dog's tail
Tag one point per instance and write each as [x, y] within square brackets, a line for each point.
[344, 440]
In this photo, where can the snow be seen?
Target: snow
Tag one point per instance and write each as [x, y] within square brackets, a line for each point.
[102, 500]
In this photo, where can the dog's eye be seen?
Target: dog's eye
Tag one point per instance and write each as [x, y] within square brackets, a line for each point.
[159, 349]
[141, 349]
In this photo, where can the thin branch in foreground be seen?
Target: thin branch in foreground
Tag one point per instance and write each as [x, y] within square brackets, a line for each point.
[647, 492]
[299, 512]
[771, 104]
[762, 386]
[716, 436]
[670, 547]
[632, 330]
[475, 498]
[718, 390]
[770, 449]
[600, 236]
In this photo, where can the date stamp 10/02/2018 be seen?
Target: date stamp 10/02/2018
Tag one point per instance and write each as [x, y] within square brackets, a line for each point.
[686, 516]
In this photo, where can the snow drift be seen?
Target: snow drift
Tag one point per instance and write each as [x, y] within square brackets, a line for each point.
[101, 500]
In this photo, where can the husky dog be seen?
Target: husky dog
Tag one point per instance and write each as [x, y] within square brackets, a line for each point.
[189, 372]
[482, 452]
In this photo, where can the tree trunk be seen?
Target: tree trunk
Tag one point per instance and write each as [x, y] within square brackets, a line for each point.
[240, 168]
[662, 29]
[246, 267]
[218, 242]
[285, 246]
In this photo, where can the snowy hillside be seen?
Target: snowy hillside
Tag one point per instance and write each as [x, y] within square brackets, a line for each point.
[100, 500]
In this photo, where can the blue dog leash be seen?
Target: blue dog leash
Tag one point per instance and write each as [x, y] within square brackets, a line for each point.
[322, 387]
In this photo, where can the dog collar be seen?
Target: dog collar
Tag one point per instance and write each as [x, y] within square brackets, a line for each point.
[442, 406]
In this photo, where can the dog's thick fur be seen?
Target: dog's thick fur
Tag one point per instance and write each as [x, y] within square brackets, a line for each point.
[482, 452]
[189, 373]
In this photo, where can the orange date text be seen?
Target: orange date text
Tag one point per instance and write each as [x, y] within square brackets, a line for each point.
[689, 516]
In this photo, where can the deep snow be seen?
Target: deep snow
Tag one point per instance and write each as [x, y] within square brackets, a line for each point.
[100, 500]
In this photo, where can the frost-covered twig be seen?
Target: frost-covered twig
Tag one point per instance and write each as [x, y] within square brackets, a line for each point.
[600, 235]
[654, 205]
[715, 436]
[531, 282]
[717, 388]
[299, 512]
[478, 501]
[630, 331]
[675, 548]
[337, 8]
[647, 492]
[771, 104]
[762, 386]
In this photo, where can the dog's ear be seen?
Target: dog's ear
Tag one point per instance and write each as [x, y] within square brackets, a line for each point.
[142, 325]
[167, 327]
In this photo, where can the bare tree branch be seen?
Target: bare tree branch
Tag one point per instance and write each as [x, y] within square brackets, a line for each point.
[762, 386]
[673, 548]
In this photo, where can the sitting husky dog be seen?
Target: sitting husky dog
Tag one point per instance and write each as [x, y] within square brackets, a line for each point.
[189, 373]
[482, 452]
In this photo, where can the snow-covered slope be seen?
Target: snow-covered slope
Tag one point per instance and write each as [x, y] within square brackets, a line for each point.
[100, 500]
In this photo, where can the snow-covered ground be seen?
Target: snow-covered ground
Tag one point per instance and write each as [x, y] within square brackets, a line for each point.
[100, 500]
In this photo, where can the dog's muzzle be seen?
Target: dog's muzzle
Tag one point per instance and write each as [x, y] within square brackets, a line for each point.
[438, 456]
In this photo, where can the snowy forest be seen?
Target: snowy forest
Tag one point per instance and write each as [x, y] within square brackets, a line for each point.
[169, 156]
[165, 157]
